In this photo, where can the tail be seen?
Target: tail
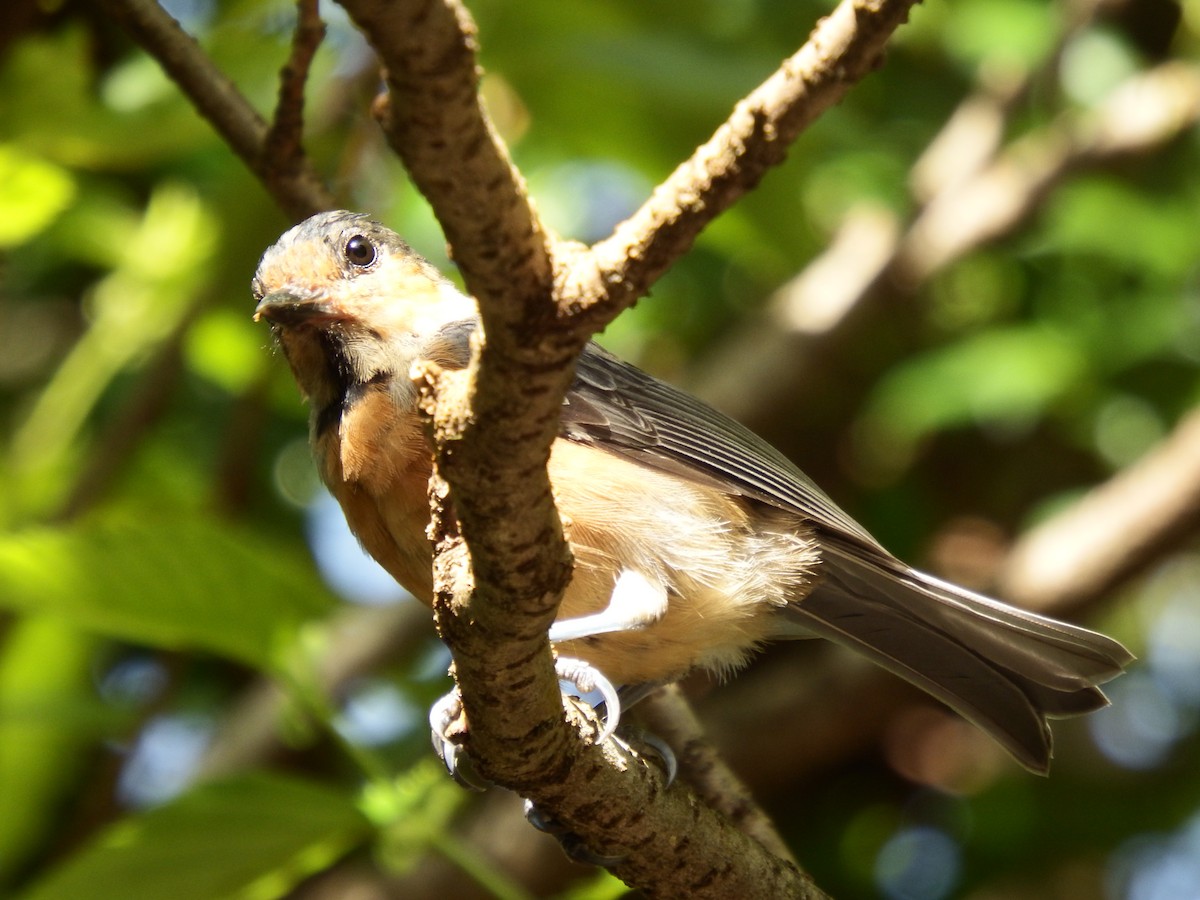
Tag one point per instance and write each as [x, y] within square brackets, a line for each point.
[1004, 669]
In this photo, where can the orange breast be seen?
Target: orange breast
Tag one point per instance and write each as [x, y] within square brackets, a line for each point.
[377, 464]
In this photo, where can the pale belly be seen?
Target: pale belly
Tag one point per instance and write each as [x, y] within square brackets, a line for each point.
[726, 569]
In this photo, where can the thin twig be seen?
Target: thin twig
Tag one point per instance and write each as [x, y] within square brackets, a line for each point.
[283, 148]
[298, 192]
[842, 49]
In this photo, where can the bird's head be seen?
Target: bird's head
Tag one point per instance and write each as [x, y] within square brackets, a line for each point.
[349, 302]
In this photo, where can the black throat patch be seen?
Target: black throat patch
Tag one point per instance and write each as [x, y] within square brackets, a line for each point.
[347, 387]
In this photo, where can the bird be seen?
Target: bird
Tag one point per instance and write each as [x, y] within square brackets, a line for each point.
[695, 541]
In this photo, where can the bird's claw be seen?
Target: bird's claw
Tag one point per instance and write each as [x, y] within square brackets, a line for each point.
[585, 678]
[668, 762]
[442, 715]
[571, 843]
[590, 680]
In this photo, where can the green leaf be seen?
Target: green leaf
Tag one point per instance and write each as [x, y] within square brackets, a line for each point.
[1017, 33]
[191, 582]
[253, 836]
[1148, 233]
[34, 193]
[996, 376]
[49, 717]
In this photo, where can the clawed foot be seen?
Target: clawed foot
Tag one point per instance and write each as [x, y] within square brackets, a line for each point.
[585, 680]
[442, 715]
[656, 745]
[445, 713]
[571, 843]
[588, 680]
[590, 685]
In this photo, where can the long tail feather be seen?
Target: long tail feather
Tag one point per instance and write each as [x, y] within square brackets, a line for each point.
[1002, 668]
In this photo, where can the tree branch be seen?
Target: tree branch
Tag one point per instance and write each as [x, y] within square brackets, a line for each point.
[842, 49]
[670, 717]
[501, 562]
[295, 187]
[283, 150]
[435, 121]
[1113, 532]
[493, 425]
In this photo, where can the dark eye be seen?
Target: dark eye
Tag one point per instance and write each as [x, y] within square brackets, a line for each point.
[360, 251]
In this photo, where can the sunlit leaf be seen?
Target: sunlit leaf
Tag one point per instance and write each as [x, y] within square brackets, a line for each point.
[48, 716]
[35, 191]
[995, 376]
[254, 837]
[192, 582]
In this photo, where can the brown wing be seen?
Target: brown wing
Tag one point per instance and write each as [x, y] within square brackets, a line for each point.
[620, 408]
[617, 407]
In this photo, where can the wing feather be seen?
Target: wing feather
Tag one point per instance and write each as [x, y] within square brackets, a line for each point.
[617, 407]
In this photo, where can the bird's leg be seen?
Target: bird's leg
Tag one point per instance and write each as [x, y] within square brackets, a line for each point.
[586, 679]
[635, 603]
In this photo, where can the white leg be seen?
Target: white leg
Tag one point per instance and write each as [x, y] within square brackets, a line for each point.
[635, 603]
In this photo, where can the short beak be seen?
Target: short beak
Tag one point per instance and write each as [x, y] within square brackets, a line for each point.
[292, 308]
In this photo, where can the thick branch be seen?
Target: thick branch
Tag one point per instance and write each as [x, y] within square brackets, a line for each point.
[434, 119]
[296, 188]
[493, 425]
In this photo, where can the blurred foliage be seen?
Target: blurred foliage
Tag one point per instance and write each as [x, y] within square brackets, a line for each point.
[153, 566]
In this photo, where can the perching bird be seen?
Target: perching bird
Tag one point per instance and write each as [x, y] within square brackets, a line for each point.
[694, 540]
